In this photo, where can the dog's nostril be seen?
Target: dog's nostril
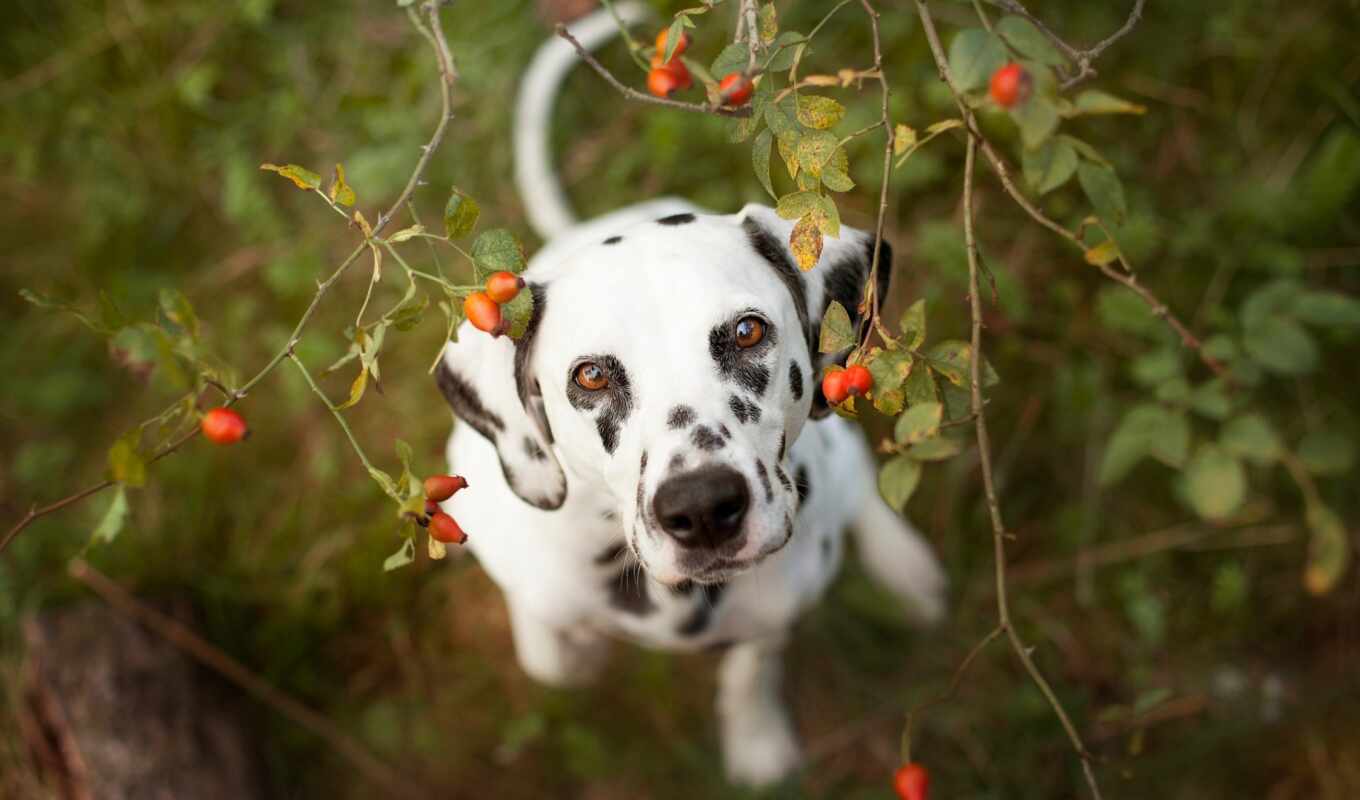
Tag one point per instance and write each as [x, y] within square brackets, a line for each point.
[677, 522]
[729, 512]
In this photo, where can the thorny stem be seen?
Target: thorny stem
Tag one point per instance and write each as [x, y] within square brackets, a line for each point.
[871, 298]
[434, 33]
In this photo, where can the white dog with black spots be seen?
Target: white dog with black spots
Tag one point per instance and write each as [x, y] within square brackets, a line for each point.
[653, 460]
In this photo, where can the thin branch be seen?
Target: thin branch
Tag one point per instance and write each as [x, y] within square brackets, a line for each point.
[335, 412]
[871, 298]
[949, 692]
[434, 33]
[1081, 59]
[634, 94]
[383, 776]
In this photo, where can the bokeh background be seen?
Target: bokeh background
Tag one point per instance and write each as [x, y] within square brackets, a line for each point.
[1193, 658]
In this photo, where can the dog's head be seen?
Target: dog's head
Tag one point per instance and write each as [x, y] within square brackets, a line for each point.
[669, 367]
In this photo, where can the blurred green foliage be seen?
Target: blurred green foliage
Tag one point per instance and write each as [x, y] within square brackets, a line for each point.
[130, 139]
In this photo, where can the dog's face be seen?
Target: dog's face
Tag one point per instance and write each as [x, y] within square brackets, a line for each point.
[668, 367]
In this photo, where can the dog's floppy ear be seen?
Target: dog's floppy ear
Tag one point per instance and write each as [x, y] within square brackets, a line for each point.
[488, 383]
[840, 275]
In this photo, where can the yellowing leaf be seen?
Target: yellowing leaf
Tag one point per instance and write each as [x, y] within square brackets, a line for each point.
[806, 242]
[819, 113]
[405, 555]
[112, 522]
[768, 23]
[1103, 253]
[797, 204]
[356, 390]
[1328, 550]
[340, 191]
[435, 548]
[363, 224]
[125, 462]
[1094, 101]
[837, 333]
[302, 177]
[903, 138]
[406, 233]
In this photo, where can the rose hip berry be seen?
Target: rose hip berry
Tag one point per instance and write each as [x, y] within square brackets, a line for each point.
[912, 782]
[439, 488]
[664, 80]
[661, 47]
[483, 313]
[834, 387]
[223, 426]
[736, 88]
[1010, 85]
[858, 381]
[502, 287]
[444, 529]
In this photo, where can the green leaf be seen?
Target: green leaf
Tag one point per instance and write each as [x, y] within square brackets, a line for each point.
[836, 172]
[784, 49]
[1250, 436]
[953, 361]
[178, 310]
[460, 215]
[780, 117]
[805, 242]
[973, 56]
[1146, 430]
[920, 422]
[889, 368]
[1085, 150]
[1037, 119]
[404, 555]
[898, 479]
[828, 217]
[409, 314]
[760, 160]
[913, 325]
[797, 205]
[519, 312]
[1282, 346]
[1277, 298]
[1029, 41]
[341, 192]
[732, 59]
[674, 36]
[302, 177]
[1094, 101]
[111, 524]
[1105, 192]
[1215, 482]
[1211, 399]
[936, 449]
[819, 113]
[1049, 166]
[815, 149]
[920, 385]
[739, 129]
[126, 464]
[1329, 309]
[498, 249]
[837, 333]
[1328, 550]
[1326, 453]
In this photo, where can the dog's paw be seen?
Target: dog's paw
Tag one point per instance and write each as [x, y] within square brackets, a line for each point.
[760, 755]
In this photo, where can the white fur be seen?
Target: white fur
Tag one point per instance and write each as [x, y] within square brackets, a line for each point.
[651, 302]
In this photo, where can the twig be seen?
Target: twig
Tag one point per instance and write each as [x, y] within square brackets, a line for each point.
[447, 74]
[1080, 58]
[871, 298]
[335, 412]
[951, 690]
[988, 482]
[634, 94]
[392, 782]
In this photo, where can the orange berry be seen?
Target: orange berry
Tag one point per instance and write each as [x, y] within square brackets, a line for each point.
[665, 80]
[483, 313]
[736, 88]
[834, 387]
[503, 286]
[444, 529]
[858, 381]
[223, 426]
[661, 47]
[441, 487]
[912, 782]
[1010, 85]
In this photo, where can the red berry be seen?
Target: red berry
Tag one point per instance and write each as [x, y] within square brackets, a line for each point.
[483, 313]
[1010, 85]
[441, 487]
[912, 782]
[444, 529]
[661, 47]
[503, 286]
[431, 507]
[858, 381]
[736, 88]
[223, 426]
[834, 387]
[664, 80]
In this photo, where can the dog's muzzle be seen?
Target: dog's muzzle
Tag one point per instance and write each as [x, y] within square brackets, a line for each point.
[703, 508]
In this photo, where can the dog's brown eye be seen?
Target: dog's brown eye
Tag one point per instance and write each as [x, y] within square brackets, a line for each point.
[590, 377]
[750, 330]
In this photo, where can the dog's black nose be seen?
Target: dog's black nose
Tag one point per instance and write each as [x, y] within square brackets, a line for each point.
[703, 508]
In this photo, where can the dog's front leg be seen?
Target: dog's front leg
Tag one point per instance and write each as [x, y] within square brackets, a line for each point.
[561, 656]
[759, 745]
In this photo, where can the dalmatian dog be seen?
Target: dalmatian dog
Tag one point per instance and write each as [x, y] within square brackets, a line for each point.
[653, 460]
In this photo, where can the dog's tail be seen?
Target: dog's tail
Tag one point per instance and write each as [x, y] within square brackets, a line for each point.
[898, 558]
[541, 192]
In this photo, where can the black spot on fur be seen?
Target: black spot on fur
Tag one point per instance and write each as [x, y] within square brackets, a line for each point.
[677, 462]
[783, 478]
[744, 410]
[783, 443]
[530, 395]
[642, 481]
[466, 403]
[764, 480]
[614, 402]
[609, 432]
[680, 417]
[613, 240]
[796, 380]
[611, 553]
[705, 439]
[532, 449]
[777, 257]
[800, 479]
[726, 434]
[703, 610]
[608, 514]
[628, 592]
[683, 588]
[741, 364]
[676, 219]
